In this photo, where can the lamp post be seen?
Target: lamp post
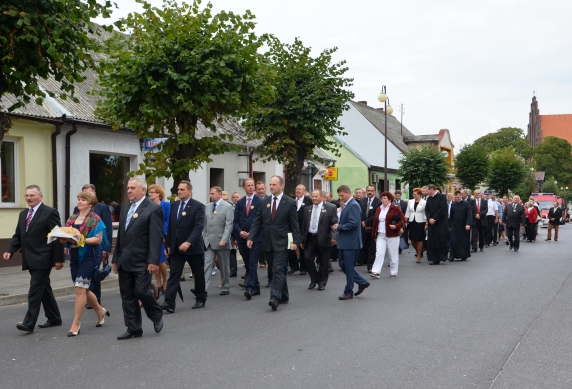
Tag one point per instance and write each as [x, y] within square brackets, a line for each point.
[385, 100]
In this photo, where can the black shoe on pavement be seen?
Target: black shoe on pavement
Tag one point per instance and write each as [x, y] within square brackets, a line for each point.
[361, 288]
[320, 287]
[434, 263]
[473, 250]
[483, 249]
[292, 271]
[273, 304]
[128, 335]
[312, 285]
[198, 304]
[158, 325]
[303, 273]
[242, 285]
[167, 308]
[269, 285]
[516, 250]
[193, 291]
[224, 293]
[50, 324]
[24, 328]
[346, 297]
[510, 247]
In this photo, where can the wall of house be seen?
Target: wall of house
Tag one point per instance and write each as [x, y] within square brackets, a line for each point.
[351, 172]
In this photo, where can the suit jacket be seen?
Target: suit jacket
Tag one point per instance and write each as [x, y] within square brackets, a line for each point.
[140, 244]
[243, 222]
[328, 217]
[367, 215]
[36, 253]
[218, 227]
[105, 214]
[403, 206]
[554, 214]
[514, 218]
[349, 227]
[188, 229]
[276, 231]
[483, 213]
[305, 202]
[414, 215]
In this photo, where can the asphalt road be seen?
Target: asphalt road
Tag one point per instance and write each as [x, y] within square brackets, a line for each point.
[500, 320]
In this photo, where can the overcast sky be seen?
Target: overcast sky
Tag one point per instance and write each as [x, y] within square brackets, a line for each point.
[470, 67]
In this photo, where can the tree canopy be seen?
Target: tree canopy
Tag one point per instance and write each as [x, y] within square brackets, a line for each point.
[508, 137]
[554, 157]
[310, 98]
[423, 166]
[472, 165]
[179, 66]
[507, 171]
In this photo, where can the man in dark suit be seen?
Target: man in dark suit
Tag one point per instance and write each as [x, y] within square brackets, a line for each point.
[436, 211]
[261, 193]
[402, 204]
[479, 208]
[369, 205]
[349, 242]
[185, 244]
[38, 257]
[514, 218]
[234, 239]
[317, 238]
[105, 214]
[136, 258]
[277, 217]
[244, 213]
[301, 202]
[554, 216]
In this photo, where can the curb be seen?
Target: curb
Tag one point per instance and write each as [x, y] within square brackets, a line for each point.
[59, 292]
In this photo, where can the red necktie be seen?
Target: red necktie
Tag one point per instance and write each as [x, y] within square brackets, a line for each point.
[247, 206]
[274, 207]
[29, 218]
[479, 206]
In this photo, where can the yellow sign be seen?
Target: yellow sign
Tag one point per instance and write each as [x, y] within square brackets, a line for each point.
[332, 174]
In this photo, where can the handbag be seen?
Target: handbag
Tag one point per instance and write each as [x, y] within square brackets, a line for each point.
[396, 219]
[402, 243]
[101, 274]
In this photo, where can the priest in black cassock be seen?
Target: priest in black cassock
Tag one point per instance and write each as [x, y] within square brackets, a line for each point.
[438, 226]
[460, 220]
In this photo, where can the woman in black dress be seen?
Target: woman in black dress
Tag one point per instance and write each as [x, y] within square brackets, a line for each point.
[416, 222]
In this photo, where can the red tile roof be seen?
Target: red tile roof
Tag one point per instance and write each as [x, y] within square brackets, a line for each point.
[557, 125]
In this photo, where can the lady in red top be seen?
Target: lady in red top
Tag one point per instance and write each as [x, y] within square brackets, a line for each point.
[531, 215]
[387, 223]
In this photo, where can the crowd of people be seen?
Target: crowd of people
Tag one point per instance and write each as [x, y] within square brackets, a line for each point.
[302, 233]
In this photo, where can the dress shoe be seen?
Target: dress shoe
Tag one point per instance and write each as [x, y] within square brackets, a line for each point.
[198, 304]
[547, 239]
[193, 290]
[262, 265]
[312, 285]
[510, 247]
[495, 243]
[463, 259]
[346, 297]
[243, 277]
[556, 240]
[516, 250]
[224, 293]
[249, 295]
[303, 273]
[331, 270]
[50, 324]
[242, 285]
[24, 328]
[269, 285]
[482, 249]
[292, 271]
[273, 304]
[158, 325]
[507, 243]
[284, 301]
[129, 334]
[167, 308]
[473, 250]
[361, 288]
[320, 287]
[102, 321]
[87, 306]
[233, 275]
[434, 263]
[71, 334]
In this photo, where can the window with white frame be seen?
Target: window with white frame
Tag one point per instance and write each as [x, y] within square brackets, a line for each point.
[8, 173]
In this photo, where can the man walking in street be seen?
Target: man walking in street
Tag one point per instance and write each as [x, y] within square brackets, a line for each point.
[369, 205]
[460, 220]
[349, 243]
[514, 218]
[38, 257]
[479, 208]
[554, 215]
[492, 219]
[437, 226]
[298, 263]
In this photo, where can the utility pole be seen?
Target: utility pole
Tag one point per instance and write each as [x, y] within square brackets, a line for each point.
[402, 112]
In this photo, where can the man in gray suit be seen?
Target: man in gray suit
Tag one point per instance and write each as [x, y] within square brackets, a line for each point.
[278, 217]
[136, 258]
[219, 216]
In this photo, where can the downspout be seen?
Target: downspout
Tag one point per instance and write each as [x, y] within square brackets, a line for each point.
[68, 170]
[250, 167]
[57, 132]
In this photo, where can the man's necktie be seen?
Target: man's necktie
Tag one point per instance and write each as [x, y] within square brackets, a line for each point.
[274, 208]
[130, 214]
[29, 218]
[479, 206]
[247, 206]
[314, 225]
[181, 210]
[214, 208]
[514, 207]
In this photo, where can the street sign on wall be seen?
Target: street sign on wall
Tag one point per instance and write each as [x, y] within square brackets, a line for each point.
[332, 174]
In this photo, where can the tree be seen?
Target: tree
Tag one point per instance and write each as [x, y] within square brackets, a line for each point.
[550, 186]
[472, 165]
[423, 166]
[41, 39]
[511, 137]
[182, 66]
[554, 157]
[507, 172]
[310, 98]
[527, 186]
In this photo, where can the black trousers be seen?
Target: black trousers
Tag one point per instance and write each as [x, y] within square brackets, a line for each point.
[478, 233]
[490, 229]
[135, 287]
[370, 243]
[245, 254]
[233, 264]
[278, 260]
[296, 264]
[177, 262]
[513, 235]
[317, 260]
[40, 293]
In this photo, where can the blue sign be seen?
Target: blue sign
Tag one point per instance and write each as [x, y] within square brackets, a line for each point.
[151, 144]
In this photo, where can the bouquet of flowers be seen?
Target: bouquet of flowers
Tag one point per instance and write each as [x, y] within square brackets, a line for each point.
[67, 233]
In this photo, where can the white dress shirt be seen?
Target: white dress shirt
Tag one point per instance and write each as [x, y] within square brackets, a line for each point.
[382, 216]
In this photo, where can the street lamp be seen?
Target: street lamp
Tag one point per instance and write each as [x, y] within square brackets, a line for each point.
[386, 109]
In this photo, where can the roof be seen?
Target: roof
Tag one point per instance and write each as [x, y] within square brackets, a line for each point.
[365, 141]
[395, 131]
[556, 125]
[421, 138]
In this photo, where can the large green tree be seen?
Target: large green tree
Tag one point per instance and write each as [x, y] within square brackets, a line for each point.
[182, 65]
[310, 98]
[508, 137]
[507, 172]
[527, 186]
[554, 157]
[472, 165]
[551, 186]
[423, 166]
[41, 39]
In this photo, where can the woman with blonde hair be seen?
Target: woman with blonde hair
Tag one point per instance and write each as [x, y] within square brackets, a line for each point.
[156, 195]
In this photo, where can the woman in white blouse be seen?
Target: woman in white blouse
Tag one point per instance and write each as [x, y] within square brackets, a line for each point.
[416, 222]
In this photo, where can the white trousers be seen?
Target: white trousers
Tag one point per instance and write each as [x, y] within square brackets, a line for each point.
[392, 245]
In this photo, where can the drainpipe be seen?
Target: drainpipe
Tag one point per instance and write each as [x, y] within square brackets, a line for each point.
[68, 170]
[250, 167]
[55, 164]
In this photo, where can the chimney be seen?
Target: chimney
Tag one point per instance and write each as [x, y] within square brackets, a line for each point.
[362, 103]
[379, 109]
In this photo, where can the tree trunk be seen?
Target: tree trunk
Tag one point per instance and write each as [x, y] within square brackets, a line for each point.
[188, 125]
[294, 172]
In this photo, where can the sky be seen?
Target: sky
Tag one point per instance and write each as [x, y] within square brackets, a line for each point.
[470, 67]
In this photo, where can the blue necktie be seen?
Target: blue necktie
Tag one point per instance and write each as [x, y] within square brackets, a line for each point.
[214, 208]
[130, 215]
[181, 210]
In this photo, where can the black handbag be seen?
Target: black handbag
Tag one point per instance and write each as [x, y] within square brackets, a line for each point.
[396, 219]
[101, 274]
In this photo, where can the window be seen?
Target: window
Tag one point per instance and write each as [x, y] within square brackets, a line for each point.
[8, 172]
